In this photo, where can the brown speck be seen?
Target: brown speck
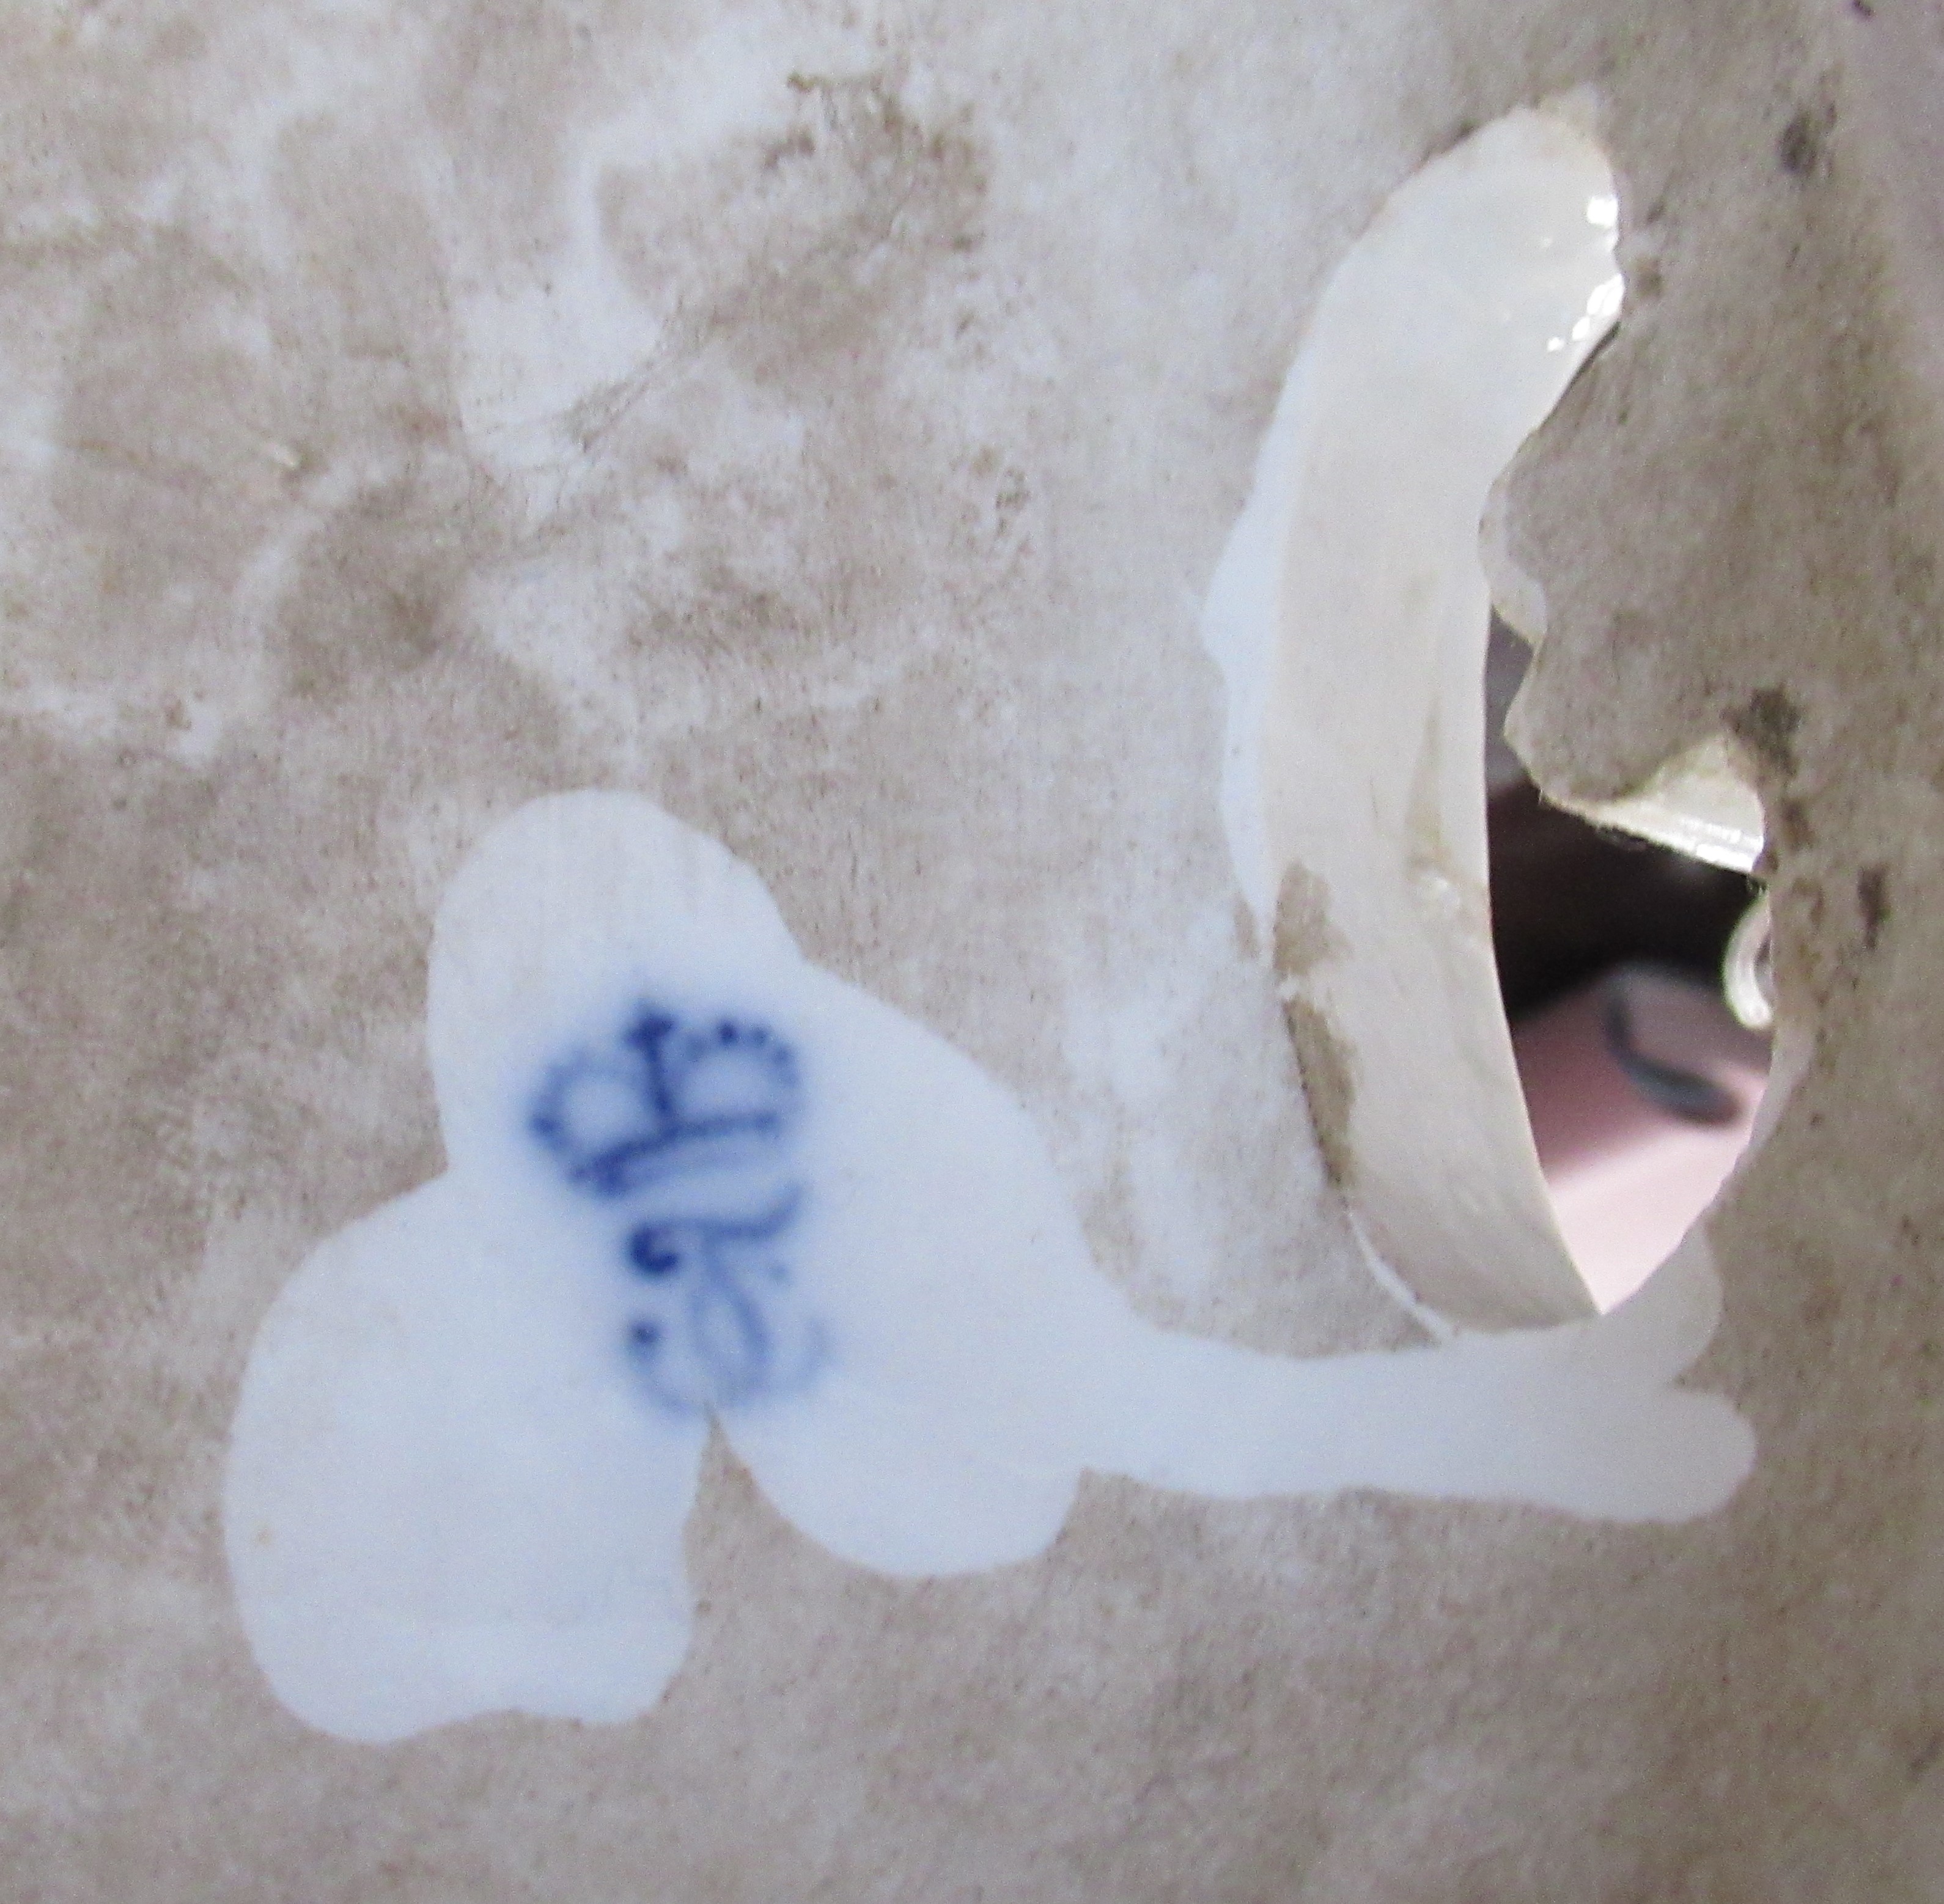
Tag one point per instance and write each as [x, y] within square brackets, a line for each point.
[1799, 148]
[1792, 823]
[1304, 936]
[1873, 902]
[1767, 726]
[1011, 497]
[1926, 1755]
[798, 144]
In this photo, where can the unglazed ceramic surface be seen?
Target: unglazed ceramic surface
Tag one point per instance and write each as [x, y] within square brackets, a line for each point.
[824, 426]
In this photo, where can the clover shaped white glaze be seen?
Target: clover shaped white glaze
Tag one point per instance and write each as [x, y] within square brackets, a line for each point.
[694, 1179]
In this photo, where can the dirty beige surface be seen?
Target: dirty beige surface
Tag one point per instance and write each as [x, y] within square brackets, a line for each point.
[826, 421]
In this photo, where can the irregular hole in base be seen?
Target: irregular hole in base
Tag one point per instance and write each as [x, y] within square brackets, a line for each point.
[1350, 616]
[1634, 978]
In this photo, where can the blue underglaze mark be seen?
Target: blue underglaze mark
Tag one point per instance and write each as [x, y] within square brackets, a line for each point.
[672, 1099]
[717, 1320]
[716, 1327]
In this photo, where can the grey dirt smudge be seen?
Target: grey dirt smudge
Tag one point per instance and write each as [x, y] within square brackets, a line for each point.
[1767, 724]
[1873, 902]
[1800, 150]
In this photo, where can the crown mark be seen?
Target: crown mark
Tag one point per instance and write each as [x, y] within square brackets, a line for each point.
[715, 1320]
[674, 1098]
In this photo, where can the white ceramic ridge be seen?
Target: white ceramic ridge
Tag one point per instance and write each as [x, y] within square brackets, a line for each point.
[1350, 616]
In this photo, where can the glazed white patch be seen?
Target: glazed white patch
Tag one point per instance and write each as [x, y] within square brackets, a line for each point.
[459, 1468]
[1349, 616]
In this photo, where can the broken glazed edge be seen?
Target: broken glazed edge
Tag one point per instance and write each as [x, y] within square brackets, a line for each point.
[1349, 617]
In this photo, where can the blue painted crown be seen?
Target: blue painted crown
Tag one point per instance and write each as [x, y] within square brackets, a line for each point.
[672, 1096]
